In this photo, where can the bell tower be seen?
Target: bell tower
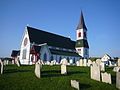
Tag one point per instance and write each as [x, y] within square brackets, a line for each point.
[82, 46]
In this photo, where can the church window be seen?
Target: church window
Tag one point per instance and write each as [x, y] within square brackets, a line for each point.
[79, 50]
[24, 54]
[45, 57]
[79, 34]
[51, 57]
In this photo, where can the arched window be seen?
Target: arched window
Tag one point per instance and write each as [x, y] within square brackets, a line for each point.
[79, 34]
[45, 57]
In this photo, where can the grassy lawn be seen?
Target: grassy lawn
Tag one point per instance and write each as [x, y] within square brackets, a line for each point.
[23, 78]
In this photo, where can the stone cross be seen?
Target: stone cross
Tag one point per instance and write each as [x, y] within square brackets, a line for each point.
[38, 69]
[95, 71]
[1, 63]
[75, 84]
[106, 77]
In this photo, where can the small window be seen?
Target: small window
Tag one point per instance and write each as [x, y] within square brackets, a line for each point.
[84, 34]
[79, 34]
[24, 54]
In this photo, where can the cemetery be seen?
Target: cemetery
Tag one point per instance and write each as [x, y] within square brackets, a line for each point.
[47, 77]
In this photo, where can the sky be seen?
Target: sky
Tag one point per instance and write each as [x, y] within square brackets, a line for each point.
[102, 18]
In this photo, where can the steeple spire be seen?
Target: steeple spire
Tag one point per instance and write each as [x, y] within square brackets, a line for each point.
[81, 24]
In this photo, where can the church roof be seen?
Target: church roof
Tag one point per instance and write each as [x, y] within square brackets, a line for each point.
[66, 53]
[15, 53]
[81, 24]
[39, 37]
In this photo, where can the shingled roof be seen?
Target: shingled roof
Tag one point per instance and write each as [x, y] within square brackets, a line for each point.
[39, 37]
[81, 24]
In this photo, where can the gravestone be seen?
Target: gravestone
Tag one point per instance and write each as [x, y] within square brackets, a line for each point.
[17, 62]
[116, 69]
[85, 62]
[63, 66]
[81, 62]
[63, 69]
[52, 63]
[75, 84]
[102, 66]
[106, 77]
[95, 71]
[38, 69]
[1, 68]
[89, 63]
[98, 61]
[118, 80]
[78, 63]
[119, 62]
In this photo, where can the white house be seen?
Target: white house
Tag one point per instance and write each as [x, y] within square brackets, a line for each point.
[106, 59]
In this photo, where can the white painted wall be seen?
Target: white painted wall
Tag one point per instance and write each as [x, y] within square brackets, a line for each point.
[27, 47]
[83, 52]
[82, 34]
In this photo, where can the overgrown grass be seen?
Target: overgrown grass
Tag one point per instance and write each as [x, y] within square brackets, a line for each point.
[23, 78]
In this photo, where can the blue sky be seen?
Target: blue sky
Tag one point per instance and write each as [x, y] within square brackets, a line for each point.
[102, 18]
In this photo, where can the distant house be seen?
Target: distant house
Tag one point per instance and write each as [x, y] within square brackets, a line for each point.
[15, 54]
[106, 59]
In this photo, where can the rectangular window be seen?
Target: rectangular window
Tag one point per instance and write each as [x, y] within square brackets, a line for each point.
[79, 34]
[24, 54]
[84, 34]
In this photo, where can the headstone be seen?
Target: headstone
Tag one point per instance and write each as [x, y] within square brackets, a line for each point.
[38, 69]
[17, 62]
[118, 80]
[64, 62]
[63, 69]
[102, 66]
[116, 69]
[51, 63]
[89, 63]
[77, 63]
[98, 61]
[85, 62]
[75, 84]
[119, 62]
[106, 77]
[81, 62]
[95, 71]
[1, 64]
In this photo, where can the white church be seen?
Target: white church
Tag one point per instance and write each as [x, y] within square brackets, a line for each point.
[38, 44]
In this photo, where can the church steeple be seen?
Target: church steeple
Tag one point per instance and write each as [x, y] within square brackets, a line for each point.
[81, 24]
[82, 46]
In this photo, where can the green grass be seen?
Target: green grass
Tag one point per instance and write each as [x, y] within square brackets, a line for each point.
[23, 78]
